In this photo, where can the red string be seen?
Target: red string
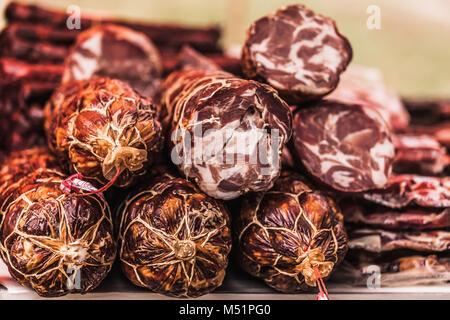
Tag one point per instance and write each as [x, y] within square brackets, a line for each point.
[67, 183]
[320, 284]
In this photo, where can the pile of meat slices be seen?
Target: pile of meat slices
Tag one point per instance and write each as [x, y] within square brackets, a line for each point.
[119, 99]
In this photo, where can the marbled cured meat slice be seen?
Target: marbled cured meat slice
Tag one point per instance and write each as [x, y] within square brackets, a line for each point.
[227, 133]
[298, 52]
[384, 218]
[116, 52]
[405, 190]
[377, 240]
[419, 154]
[346, 147]
[364, 85]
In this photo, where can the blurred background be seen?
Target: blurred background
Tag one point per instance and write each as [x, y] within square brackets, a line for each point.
[412, 47]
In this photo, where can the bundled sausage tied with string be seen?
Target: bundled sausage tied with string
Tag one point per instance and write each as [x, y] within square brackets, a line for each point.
[174, 239]
[53, 242]
[104, 130]
[298, 52]
[291, 236]
[227, 134]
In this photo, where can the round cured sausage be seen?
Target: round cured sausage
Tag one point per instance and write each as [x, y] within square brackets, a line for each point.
[290, 234]
[174, 239]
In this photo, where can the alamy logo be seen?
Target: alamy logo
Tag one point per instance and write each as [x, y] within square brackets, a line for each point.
[74, 20]
[226, 146]
[374, 19]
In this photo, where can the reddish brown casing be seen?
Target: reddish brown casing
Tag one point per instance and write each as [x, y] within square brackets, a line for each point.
[53, 242]
[283, 234]
[102, 125]
[174, 239]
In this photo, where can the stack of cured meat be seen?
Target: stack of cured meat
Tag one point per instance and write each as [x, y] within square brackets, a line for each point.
[35, 43]
[401, 231]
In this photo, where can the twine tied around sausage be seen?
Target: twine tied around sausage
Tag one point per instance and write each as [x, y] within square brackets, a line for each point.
[313, 268]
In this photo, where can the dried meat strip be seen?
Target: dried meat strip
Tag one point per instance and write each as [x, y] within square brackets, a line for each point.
[346, 147]
[380, 217]
[298, 52]
[419, 154]
[405, 190]
[377, 240]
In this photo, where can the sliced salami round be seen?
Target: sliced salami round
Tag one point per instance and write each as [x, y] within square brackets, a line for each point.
[116, 52]
[227, 133]
[298, 52]
[346, 147]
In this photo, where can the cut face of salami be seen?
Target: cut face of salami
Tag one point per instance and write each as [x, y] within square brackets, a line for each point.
[103, 129]
[227, 133]
[380, 217]
[404, 190]
[419, 154]
[377, 240]
[174, 239]
[298, 52]
[116, 52]
[363, 85]
[286, 233]
[53, 242]
[346, 147]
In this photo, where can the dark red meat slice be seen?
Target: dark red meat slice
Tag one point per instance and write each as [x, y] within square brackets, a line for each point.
[346, 147]
[298, 52]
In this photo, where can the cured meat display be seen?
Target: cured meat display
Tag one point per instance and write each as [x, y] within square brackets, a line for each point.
[420, 154]
[53, 242]
[405, 190]
[291, 235]
[314, 169]
[363, 85]
[174, 239]
[227, 133]
[377, 240]
[103, 129]
[298, 52]
[409, 218]
[346, 147]
[116, 52]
